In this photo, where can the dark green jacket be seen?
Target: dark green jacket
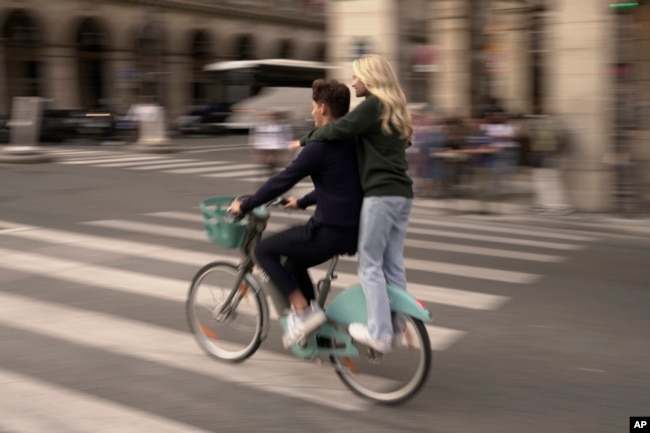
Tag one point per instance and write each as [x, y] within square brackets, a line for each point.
[381, 157]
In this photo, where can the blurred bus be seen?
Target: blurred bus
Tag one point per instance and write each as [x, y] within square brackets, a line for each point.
[242, 90]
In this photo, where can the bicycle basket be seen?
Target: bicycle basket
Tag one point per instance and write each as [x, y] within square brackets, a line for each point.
[220, 227]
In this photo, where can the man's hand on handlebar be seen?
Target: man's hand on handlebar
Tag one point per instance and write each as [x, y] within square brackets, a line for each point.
[235, 207]
[292, 203]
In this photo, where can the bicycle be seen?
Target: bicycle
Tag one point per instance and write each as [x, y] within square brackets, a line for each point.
[229, 316]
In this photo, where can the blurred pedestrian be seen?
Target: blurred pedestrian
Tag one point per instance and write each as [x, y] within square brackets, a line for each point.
[504, 138]
[547, 140]
[435, 166]
[478, 146]
[269, 140]
[418, 155]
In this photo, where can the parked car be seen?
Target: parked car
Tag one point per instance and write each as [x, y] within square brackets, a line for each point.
[58, 125]
[97, 125]
[201, 119]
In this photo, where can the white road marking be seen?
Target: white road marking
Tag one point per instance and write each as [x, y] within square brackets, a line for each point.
[111, 159]
[211, 169]
[427, 293]
[413, 264]
[56, 409]
[235, 174]
[268, 371]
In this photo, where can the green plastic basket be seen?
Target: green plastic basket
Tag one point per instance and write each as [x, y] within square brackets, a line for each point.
[218, 225]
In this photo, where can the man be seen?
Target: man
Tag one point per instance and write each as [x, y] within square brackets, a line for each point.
[334, 227]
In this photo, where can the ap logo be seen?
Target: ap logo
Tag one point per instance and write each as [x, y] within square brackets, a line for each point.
[639, 424]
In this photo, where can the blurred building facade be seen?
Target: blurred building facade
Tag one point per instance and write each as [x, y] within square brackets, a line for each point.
[396, 29]
[80, 53]
[579, 59]
[587, 61]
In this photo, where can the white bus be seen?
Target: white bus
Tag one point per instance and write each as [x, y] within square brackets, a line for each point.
[243, 89]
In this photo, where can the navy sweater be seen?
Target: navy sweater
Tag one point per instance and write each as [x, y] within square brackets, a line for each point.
[333, 169]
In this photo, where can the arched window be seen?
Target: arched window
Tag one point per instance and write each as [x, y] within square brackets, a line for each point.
[201, 51]
[245, 47]
[321, 52]
[91, 43]
[286, 49]
[23, 65]
[150, 62]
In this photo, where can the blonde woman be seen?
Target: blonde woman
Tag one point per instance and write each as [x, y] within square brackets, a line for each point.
[382, 126]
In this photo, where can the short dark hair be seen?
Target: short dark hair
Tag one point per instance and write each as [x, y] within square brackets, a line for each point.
[332, 93]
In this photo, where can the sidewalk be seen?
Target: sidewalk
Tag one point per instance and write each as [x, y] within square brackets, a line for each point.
[518, 210]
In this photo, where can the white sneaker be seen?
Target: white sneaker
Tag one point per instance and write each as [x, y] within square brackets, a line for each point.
[360, 332]
[301, 324]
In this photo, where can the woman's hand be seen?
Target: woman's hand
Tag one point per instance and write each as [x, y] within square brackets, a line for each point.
[293, 145]
[292, 203]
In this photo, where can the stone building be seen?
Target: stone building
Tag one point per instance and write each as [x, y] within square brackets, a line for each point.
[587, 61]
[77, 53]
[577, 58]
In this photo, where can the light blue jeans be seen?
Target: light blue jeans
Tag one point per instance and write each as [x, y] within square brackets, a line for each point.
[384, 221]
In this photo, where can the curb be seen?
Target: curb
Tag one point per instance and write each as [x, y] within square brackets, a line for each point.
[29, 155]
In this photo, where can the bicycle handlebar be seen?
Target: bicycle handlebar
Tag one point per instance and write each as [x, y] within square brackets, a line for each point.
[278, 201]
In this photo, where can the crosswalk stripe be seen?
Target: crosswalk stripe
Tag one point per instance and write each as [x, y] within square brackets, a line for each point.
[218, 149]
[490, 252]
[507, 230]
[95, 275]
[208, 169]
[495, 239]
[83, 158]
[193, 163]
[432, 294]
[413, 264]
[142, 284]
[53, 408]
[111, 159]
[275, 373]
[146, 163]
[249, 173]
[448, 247]
[80, 152]
[493, 252]
[154, 229]
[262, 179]
[480, 237]
[466, 205]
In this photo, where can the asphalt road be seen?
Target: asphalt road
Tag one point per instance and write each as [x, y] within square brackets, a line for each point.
[535, 328]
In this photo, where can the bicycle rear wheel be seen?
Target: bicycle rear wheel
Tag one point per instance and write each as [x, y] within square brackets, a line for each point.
[393, 377]
[236, 333]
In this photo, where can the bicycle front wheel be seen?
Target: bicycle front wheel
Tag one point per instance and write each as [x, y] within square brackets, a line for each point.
[230, 330]
[393, 377]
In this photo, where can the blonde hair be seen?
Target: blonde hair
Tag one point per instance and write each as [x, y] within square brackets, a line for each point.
[380, 80]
